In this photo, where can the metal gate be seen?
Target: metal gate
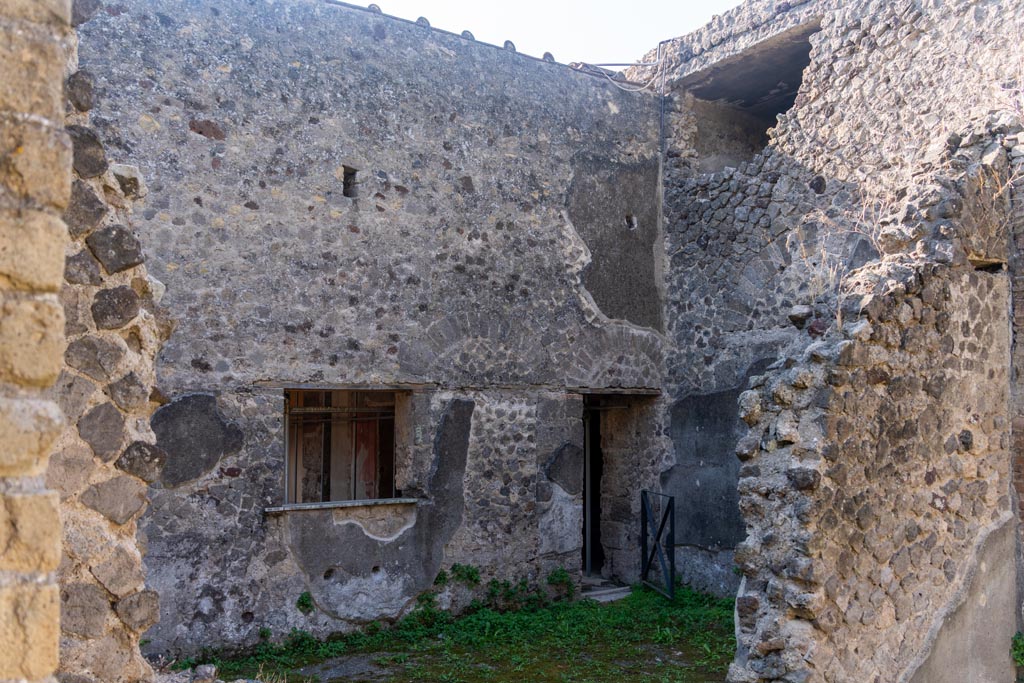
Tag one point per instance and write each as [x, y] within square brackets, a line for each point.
[658, 541]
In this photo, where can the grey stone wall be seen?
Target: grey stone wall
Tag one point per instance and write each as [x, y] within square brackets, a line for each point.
[758, 240]
[870, 166]
[868, 489]
[482, 268]
[455, 264]
[502, 253]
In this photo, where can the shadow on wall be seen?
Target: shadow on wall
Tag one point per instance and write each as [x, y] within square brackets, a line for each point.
[704, 430]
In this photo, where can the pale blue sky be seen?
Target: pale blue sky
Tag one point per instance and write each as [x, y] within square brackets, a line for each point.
[573, 30]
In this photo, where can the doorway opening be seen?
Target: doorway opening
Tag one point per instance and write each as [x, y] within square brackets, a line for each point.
[593, 466]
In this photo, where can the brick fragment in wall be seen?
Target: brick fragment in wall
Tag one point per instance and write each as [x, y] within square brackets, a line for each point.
[31, 340]
[72, 393]
[85, 210]
[129, 392]
[103, 429]
[115, 247]
[70, 469]
[29, 532]
[115, 308]
[31, 251]
[90, 160]
[130, 180]
[82, 269]
[139, 611]
[143, 460]
[77, 302]
[79, 90]
[84, 609]
[29, 628]
[120, 572]
[97, 357]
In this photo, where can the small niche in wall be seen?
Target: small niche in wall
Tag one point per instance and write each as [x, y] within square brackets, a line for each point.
[349, 181]
[737, 100]
[987, 266]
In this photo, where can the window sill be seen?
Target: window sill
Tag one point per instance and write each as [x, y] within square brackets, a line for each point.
[331, 505]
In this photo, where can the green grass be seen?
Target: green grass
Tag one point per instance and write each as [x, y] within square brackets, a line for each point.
[640, 638]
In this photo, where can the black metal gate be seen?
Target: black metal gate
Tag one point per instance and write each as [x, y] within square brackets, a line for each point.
[658, 541]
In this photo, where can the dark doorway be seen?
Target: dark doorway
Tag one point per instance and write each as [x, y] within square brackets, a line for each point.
[593, 552]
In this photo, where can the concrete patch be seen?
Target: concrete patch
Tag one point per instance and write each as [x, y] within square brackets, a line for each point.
[195, 437]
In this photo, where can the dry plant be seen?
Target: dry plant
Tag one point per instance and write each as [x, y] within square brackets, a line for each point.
[874, 208]
[827, 271]
[264, 676]
[988, 204]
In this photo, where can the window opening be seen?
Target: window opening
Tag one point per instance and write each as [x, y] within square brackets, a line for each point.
[340, 445]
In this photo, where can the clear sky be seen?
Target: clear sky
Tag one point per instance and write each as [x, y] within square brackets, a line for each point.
[594, 31]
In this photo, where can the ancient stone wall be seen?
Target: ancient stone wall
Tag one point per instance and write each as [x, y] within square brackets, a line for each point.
[734, 275]
[102, 462]
[35, 161]
[477, 264]
[339, 199]
[757, 240]
[870, 166]
[881, 462]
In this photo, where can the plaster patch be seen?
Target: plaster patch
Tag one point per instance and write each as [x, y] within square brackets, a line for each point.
[379, 522]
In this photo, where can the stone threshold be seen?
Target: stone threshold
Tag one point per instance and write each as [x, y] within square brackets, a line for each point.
[330, 505]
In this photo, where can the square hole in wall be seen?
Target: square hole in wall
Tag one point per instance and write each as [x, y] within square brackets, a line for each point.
[349, 181]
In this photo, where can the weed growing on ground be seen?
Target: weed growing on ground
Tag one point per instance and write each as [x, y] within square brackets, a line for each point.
[562, 580]
[1017, 649]
[466, 573]
[582, 640]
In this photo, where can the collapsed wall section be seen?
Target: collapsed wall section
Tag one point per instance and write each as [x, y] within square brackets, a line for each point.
[871, 177]
[738, 285]
[874, 474]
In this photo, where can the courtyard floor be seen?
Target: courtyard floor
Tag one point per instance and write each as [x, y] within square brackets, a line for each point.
[642, 637]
